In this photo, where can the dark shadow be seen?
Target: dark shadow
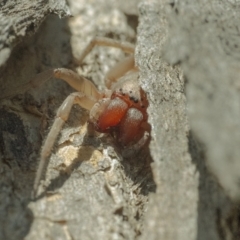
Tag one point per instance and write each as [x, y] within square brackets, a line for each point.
[137, 167]
[15, 216]
[12, 126]
[232, 223]
[137, 164]
[132, 21]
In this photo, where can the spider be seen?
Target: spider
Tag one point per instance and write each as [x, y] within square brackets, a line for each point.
[119, 110]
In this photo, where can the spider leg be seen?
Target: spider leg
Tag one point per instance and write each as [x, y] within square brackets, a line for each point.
[77, 82]
[107, 42]
[61, 117]
[119, 70]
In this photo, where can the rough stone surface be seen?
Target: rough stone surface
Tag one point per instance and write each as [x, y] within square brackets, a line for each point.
[21, 18]
[209, 56]
[187, 53]
[175, 174]
[196, 127]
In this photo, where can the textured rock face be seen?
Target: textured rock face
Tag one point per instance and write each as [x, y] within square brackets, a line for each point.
[21, 18]
[199, 130]
[208, 50]
[187, 53]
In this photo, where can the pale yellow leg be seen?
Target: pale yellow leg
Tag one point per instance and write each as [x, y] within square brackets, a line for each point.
[119, 70]
[107, 42]
[61, 117]
[77, 82]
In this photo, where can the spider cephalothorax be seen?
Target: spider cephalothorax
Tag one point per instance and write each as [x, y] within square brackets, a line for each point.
[120, 110]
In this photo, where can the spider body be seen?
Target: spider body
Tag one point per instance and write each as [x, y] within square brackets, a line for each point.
[120, 110]
[123, 114]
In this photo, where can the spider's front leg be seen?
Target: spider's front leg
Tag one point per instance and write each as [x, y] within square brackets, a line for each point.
[61, 117]
[86, 97]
